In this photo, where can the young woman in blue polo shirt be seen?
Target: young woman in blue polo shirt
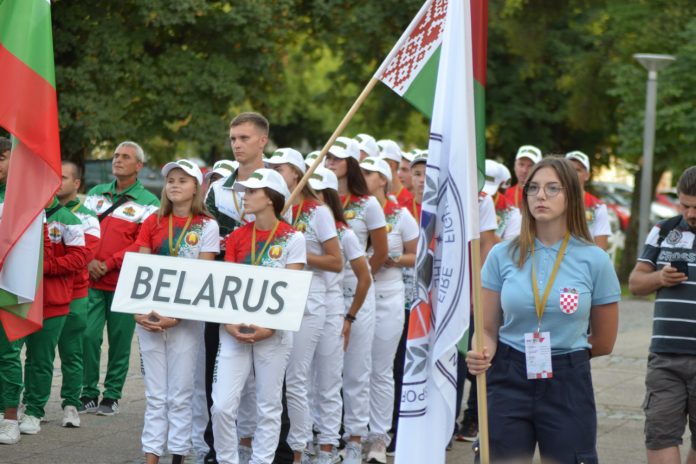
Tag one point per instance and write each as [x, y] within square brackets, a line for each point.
[541, 291]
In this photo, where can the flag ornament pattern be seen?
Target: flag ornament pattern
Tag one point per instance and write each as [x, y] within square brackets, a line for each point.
[419, 47]
[29, 111]
[449, 222]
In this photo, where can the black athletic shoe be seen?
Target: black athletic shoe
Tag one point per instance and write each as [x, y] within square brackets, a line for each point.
[89, 405]
[107, 407]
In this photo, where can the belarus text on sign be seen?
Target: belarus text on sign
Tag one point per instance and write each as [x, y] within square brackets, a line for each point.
[212, 291]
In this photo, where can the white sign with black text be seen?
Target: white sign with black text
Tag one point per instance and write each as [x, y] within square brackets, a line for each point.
[212, 291]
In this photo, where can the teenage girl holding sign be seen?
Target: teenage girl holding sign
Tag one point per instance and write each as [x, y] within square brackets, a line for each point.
[541, 291]
[168, 347]
[267, 241]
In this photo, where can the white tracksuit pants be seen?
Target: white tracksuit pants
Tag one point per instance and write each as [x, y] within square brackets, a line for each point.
[389, 324]
[297, 376]
[357, 363]
[168, 362]
[199, 402]
[326, 377]
[235, 361]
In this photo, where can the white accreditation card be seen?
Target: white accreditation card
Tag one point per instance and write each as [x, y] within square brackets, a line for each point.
[537, 351]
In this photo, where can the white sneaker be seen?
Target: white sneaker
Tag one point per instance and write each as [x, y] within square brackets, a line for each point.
[244, 453]
[70, 417]
[30, 425]
[377, 452]
[9, 432]
[353, 453]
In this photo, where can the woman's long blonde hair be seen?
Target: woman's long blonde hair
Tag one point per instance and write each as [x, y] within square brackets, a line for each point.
[575, 208]
[197, 206]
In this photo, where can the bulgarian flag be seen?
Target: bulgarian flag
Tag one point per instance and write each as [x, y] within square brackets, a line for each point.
[411, 68]
[434, 67]
[29, 111]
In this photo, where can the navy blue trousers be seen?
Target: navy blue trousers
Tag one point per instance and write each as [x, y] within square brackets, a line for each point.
[558, 413]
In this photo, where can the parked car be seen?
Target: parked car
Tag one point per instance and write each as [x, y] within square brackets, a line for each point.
[99, 172]
[618, 197]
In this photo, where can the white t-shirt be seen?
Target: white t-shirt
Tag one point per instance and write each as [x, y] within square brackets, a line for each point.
[351, 250]
[316, 222]
[364, 214]
[401, 227]
[487, 218]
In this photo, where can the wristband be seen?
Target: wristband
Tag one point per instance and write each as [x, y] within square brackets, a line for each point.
[350, 318]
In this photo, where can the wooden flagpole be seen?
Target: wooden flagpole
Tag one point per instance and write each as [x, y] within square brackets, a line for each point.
[481, 391]
[339, 130]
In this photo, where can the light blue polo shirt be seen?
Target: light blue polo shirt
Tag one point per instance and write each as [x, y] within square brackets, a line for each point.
[585, 278]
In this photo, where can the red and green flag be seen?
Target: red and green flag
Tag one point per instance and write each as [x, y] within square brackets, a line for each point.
[411, 68]
[28, 111]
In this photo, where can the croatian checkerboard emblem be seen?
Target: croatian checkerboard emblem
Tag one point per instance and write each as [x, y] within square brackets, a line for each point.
[569, 300]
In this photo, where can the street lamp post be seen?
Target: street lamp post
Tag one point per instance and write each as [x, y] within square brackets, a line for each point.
[652, 63]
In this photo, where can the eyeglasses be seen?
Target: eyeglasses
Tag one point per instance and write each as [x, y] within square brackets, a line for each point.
[551, 190]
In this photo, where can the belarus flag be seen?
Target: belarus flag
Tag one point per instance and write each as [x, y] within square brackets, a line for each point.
[29, 111]
[433, 66]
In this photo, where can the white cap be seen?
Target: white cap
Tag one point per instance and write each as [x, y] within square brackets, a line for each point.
[187, 166]
[409, 155]
[287, 156]
[496, 174]
[389, 149]
[345, 147]
[322, 179]
[263, 178]
[367, 144]
[529, 151]
[579, 157]
[421, 157]
[223, 167]
[375, 164]
[507, 177]
[311, 156]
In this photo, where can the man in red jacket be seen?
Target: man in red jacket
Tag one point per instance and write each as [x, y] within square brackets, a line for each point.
[67, 259]
[121, 207]
[70, 345]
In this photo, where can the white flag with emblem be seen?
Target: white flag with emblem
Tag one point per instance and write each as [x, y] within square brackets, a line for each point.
[440, 315]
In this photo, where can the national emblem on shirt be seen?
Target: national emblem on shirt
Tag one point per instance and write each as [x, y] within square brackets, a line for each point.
[570, 299]
[55, 233]
[192, 238]
[129, 211]
[275, 252]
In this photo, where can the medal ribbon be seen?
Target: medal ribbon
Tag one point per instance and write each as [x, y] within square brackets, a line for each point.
[236, 206]
[76, 207]
[541, 303]
[174, 250]
[255, 261]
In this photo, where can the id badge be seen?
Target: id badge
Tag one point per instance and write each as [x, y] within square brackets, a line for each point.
[537, 352]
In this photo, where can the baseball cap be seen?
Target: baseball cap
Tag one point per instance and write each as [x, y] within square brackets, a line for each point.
[322, 179]
[495, 175]
[421, 157]
[529, 151]
[409, 155]
[375, 164]
[223, 167]
[580, 157]
[389, 149]
[345, 147]
[367, 144]
[287, 156]
[188, 167]
[263, 178]
[311, 156]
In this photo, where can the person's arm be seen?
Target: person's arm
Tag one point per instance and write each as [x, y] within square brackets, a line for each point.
[362, 273]
[331, 260]
[408, 258]
[378, 238]
[644, 279]
[604, 326]
[479, 359]
[488, 238]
